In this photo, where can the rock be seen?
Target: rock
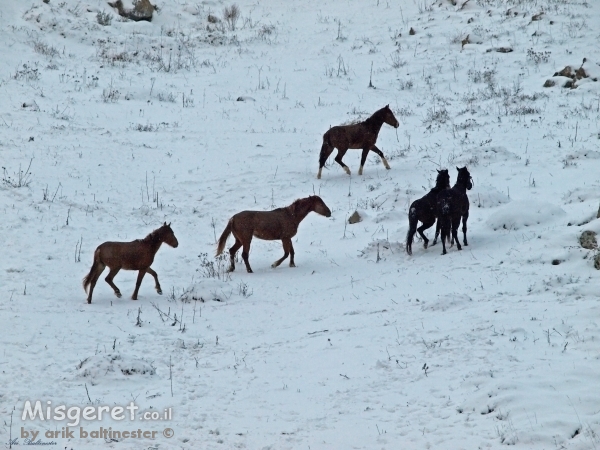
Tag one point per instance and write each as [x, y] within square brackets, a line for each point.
[549, 83]
[412, 31]
[354, 218]
[597, 261]
[588, 240]
[142, 10]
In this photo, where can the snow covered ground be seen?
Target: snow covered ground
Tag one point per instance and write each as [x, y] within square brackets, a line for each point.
[112, 129]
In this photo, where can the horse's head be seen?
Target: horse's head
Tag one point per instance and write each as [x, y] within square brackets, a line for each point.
[167, 236]
[464, 178]
[389, 118]
[443, 179]
[319, 206]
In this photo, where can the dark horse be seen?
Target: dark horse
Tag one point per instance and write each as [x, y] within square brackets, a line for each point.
[452, 205]
[134, 255]
[360, 135]
[281, 223]
[424, 210]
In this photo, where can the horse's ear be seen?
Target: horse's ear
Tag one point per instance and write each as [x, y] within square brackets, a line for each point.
[439, 171]
[169, 224]
[165, 224]
[387, 106]
[457, 168]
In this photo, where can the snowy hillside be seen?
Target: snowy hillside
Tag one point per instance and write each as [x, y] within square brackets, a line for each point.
[110, 127]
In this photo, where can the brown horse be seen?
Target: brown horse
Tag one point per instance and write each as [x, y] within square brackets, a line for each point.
[281, 223]
[360, 135]
[134, 255]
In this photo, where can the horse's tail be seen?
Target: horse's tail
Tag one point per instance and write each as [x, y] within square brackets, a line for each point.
[224, 236]
[87, 280]
[413, 221]
[325, 149]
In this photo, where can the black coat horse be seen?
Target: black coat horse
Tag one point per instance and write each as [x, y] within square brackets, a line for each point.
[424, 210]
[452, 205]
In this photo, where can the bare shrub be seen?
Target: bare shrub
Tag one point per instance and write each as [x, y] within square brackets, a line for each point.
[396, 61]
[537, 57]
[436, 116]
[44, 49]
[266, 31]
[103, 18]
[217, 268]
[166, 97]
[110, 94]
[27, 73]
[20, 179]
[231, 15]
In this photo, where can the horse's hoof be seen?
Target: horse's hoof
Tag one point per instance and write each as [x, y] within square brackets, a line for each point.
[159, 291]
[347, 170]
[118, 294]
[425, 245]
[318, 177]
[273, 265]
[250, 271]
[388, 167]
[133, 298]
[89, 301]
[292, 265]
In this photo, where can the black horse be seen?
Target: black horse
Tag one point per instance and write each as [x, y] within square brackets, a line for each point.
[452, 205]
[424, 210]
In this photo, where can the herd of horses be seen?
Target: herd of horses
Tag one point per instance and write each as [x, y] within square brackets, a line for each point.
[449, 205]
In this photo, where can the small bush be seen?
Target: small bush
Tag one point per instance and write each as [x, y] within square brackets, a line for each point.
[44, 49]
[103, 18]
[20, 179]
[27, 73]
[216, 268]
[231, 15]
[166, 97]
[537, 57]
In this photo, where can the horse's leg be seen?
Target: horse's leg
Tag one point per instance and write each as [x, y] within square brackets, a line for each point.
[444, 225]
[156, 283]
[437, 233]
[338, 159]
[246, 253]
[465, 217]
[455, 224]
[138, 283]
[363, 159]
[326, 150]
[426, 224]
[232, 251]
[94, 278]
[287, 243]
[380, 153]
[109, 279]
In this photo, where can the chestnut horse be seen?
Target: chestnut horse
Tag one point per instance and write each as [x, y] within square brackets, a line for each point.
[281, 223]
[452, 205]
[360, 135]
[424, 210]
[134, 255]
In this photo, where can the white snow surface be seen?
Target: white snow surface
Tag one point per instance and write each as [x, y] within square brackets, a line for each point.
[127, 125]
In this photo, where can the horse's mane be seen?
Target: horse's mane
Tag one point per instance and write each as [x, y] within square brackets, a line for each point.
[152, 236]
[375, 117]
[299, 204]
